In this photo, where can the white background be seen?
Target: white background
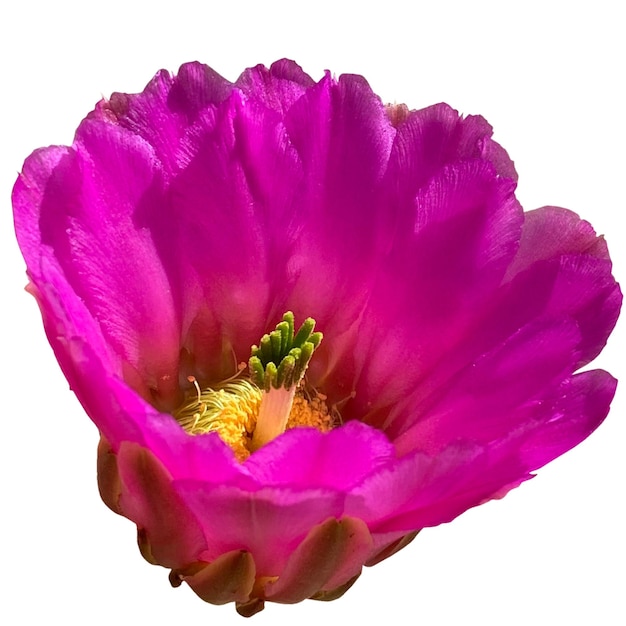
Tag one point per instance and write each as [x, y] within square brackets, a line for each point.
[547, 75]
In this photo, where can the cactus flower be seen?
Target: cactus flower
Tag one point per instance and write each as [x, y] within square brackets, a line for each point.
[306, 324]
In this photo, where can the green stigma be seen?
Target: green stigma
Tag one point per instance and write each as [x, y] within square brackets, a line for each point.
[281, 359]
[277, 366]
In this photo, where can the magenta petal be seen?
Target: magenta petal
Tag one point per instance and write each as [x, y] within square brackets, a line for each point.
[305, 457]
[28, 194]
[419, 484]
[574, 288]
[343, 138]
[577, 286]
[466, 474]
[551, 232]
[577, 408]
[466, 229]
[520, 371]
[85, 219]
[431, 138]
[228, 207]
[566, 268]
[277, 87]
[163, 112]
[269, 522]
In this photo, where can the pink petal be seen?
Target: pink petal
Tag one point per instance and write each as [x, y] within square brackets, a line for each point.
[572, 288]
[305, 457]
[432, 138]
[550, 232]
[423, 490]
[431, 287]
[480, 401]
[222, 245]
[87, 229]
[269, 522]
[567, 269]
[163, 112]
[577, 407]
[277, 87]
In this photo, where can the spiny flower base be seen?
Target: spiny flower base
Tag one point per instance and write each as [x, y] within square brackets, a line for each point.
[323, 567]
[328, 553]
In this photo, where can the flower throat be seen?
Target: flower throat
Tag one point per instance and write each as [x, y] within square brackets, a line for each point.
[249, 412]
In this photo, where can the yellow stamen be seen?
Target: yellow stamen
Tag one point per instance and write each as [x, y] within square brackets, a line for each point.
[232, 410]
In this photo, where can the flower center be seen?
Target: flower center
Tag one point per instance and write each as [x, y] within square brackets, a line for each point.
[249, 412]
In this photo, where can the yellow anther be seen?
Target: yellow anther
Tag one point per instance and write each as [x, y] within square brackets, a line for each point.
[231, 409]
